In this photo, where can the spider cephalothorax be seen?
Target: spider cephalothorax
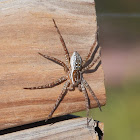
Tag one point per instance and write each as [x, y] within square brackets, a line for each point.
[74, 68]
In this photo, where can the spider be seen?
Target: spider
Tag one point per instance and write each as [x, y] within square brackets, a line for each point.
[74, 68]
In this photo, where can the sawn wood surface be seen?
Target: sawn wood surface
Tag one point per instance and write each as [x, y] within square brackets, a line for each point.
[26, 28]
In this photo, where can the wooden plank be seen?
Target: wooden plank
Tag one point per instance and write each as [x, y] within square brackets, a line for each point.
[74, 129]
[26, 28]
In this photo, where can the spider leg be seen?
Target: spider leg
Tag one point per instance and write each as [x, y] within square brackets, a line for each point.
[60, 98]
[50, 85]
[96, 60]
[87, 101]
[63, 44]
[56, 61]
[79, 87]
[71, 87]
[92, 47]
[92, 93]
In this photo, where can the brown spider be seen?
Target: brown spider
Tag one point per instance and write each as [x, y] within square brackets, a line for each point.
[74, 69]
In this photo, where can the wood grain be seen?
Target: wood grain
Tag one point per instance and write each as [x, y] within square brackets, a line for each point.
[26, 28]
[74, 129]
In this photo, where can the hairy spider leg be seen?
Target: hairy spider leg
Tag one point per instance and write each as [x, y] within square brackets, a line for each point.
[92, 47]
[50, 85]
[97, 59]
[56, 61]
[87, 101]
[92, 93]
[79, 87]
[63, 44]
[60, 98]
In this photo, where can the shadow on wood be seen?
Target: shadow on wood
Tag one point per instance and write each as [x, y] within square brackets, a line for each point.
[37, 124]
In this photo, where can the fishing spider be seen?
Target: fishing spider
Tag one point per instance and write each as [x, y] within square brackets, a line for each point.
[74, 69]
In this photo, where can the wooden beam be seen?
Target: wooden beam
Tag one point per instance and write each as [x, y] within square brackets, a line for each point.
[74, 129]
[26, 28]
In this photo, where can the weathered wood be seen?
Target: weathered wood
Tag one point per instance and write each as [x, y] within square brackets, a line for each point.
[26, 28]
[74, 129]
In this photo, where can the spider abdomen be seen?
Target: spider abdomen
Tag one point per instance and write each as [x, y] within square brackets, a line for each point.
[76, 77]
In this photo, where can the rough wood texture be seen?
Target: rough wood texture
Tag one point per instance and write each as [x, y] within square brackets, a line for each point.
[75, 129]
[26, 28]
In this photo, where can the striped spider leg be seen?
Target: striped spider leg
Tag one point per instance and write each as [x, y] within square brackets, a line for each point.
[74, 68]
